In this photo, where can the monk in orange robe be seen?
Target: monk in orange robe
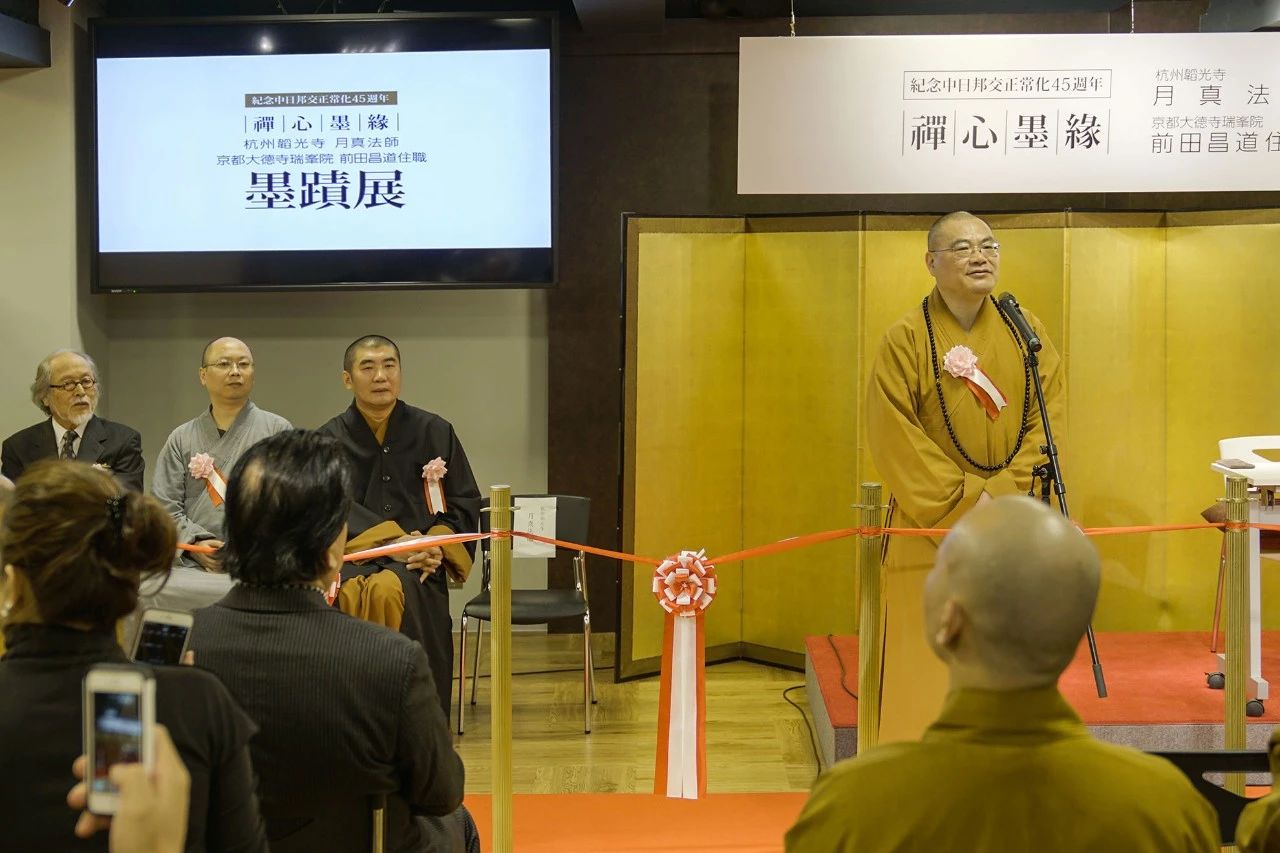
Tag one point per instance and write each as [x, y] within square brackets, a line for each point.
[944, 442]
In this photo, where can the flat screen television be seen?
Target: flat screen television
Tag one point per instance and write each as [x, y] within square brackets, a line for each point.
[297, 152]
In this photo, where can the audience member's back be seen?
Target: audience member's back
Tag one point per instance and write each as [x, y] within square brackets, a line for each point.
[1038, 784]
[1008, 765]
[346, 709]
[329, 694]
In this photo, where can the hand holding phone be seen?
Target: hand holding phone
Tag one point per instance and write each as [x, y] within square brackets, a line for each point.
[162, 637]
[152, 813]
[119, 727]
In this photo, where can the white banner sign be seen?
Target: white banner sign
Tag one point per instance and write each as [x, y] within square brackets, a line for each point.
[1009, 113]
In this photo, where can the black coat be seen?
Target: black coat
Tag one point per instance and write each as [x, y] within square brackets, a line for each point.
[103, 442]
[386, 485]
[386, 480]
[41, 733]
[346, 709]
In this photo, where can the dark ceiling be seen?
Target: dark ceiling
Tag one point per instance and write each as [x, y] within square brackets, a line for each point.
[613, 16]
[602, 12]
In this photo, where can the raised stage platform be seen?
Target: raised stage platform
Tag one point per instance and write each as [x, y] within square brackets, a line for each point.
[1158, 699]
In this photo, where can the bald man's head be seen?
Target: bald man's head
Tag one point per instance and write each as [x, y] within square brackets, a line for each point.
[1010, 594]
[936, 230]
[226, 371]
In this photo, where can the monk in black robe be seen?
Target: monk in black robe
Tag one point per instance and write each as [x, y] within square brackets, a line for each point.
[389, 444]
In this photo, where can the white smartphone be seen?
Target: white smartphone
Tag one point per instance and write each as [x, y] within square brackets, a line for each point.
[119, 727]
[162, 637]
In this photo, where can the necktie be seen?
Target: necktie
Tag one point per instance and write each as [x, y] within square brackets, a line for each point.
[68, 444]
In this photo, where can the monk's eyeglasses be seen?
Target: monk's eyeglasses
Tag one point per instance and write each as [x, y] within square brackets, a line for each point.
[964, 250]
[225, 365]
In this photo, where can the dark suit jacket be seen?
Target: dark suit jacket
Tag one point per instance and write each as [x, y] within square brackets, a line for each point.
[104, 442]
[345, 709]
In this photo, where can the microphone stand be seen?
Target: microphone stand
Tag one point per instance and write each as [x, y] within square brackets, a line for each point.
[1050, 473]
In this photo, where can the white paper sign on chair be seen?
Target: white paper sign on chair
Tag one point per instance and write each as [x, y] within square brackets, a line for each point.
[537, 516]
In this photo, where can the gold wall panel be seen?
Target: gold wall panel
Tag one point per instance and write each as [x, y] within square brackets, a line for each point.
[689, 411]
[1115, 449]
[748, 366]
[894, 281]
[801, 401]
[1223, 298]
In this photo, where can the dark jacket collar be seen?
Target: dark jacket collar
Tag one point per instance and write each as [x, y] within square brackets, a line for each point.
[263, 599]
[49, 641]
[358, 427]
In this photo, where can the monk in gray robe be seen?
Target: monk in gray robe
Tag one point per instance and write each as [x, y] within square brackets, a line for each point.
[193, 467]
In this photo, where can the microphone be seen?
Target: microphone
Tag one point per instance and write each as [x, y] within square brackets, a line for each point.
[1009, 306]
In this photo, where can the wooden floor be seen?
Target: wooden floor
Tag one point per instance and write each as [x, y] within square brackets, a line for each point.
[756, 741]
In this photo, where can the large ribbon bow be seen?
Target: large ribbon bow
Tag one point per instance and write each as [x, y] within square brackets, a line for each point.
[685, 585]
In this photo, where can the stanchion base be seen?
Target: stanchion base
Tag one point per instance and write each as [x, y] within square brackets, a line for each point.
[1254, 708]
[1216, 680]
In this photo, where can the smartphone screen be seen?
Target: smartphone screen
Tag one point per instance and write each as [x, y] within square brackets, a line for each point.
[117, 736]
[161, 644]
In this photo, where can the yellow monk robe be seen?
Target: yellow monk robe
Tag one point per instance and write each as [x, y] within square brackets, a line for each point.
[1258, 830]
[930, 483]
[1005, 771]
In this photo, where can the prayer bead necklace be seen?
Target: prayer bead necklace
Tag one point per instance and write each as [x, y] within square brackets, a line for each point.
[1026, 391]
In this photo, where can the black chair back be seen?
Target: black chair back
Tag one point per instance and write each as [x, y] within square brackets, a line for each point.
[1227, 804]
[573, 516]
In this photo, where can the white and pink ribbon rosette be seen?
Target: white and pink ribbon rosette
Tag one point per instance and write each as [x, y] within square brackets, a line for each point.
[202, 467]
[432, 478]
[962, 363]
[685, 585]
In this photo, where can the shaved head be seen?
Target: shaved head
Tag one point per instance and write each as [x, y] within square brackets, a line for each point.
[941, 224]
[218, 342]
[1010, 595]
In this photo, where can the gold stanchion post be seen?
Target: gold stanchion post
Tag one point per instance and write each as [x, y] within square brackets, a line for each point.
[500, 666]
[1237, 538]
[869, 621]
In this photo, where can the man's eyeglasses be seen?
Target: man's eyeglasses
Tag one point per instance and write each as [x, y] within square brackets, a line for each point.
[964, 250]
[70, 385]
[225, 365]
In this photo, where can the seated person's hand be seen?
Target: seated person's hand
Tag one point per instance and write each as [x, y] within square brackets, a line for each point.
[426, 561]
[209, 562]
[152, 813]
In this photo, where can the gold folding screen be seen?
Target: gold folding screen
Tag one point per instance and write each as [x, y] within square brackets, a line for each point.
[748, 342]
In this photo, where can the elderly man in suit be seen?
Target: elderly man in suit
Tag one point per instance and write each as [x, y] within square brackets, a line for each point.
[67, 389]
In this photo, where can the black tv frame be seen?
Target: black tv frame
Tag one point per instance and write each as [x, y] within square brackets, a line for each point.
[437, 269]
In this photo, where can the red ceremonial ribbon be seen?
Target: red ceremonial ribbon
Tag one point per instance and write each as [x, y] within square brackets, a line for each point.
[215, 494]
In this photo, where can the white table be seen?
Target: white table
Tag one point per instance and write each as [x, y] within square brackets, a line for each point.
[1264, 482]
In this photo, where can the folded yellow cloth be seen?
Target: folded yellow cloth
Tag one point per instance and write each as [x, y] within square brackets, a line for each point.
[457, 562]
[377, 598]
